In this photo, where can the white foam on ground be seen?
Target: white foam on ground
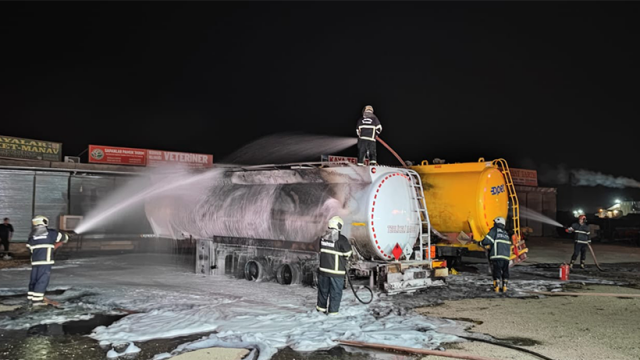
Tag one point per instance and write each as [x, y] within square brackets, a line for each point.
[131, 349]
[271, 329]
[266, 316]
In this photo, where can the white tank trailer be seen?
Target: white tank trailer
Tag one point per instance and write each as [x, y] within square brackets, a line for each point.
[262, 223]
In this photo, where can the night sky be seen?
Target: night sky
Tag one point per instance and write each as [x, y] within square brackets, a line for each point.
[535, 83]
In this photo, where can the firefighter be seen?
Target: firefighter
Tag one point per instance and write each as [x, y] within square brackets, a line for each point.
[334, 252]
[581, 241]
[42, 242]
[497, 240]
[368, 129]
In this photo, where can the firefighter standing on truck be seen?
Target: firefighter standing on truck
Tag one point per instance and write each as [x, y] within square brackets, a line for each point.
[367, 129]
[581, 241]
[42, 242]
[499, 253]
[334, 252]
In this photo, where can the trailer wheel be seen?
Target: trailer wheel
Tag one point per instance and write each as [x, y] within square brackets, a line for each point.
[256, 270]
[288, 274]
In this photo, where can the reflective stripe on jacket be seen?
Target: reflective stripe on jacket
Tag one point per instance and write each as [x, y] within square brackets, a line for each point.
[582, 233]
[333, 256]
[499, 242]
[42, 246]
[368, 127]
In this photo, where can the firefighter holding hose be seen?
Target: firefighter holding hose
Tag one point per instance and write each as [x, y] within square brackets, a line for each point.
[581, 240]
[42, 242]
[497, 240]
[334, 252]
[367, 129]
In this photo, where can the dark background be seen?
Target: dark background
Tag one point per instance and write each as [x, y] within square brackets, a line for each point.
[539, 84]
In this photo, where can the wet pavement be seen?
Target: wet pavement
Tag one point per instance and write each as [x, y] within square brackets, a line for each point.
[69, 340]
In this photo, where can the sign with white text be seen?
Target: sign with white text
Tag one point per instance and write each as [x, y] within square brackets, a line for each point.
[160, 158]
[333, 158]
[117, 155]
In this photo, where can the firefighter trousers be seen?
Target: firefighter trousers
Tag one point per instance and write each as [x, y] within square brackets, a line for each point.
[366, 148]
[579, 248]
[500, 269]
[329, 288]
[40, 275]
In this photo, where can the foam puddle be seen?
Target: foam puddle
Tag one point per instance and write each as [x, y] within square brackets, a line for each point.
[268, 329]
[262, 316]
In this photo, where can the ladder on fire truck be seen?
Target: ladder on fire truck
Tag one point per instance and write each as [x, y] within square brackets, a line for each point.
[418, 196]
[519, 247]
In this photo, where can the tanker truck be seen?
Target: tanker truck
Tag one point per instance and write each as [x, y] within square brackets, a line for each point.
[463, 200]
[262, 223]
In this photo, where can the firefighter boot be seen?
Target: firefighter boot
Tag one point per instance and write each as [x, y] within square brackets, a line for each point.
[504, 285]
[571, 264]
[582, 265]
[496, 288]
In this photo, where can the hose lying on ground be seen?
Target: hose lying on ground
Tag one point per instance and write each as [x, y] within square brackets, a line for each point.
[594, 257]
[354, 291]
[413, 350]
[507, 346]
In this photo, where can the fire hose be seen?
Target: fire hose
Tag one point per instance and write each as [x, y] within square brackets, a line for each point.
[393, 152]
[355, 293]
[594, 257]
[593, 254]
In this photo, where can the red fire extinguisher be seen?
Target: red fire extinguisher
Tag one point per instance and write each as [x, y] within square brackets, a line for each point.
[564, 272]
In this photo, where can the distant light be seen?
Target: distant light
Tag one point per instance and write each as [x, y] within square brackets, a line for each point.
[600, 210]
[618, 201]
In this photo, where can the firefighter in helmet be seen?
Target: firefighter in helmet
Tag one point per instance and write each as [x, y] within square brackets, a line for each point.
[497, 240]
[368, 129]
[42, 242]
[334, 252]
[581, 240]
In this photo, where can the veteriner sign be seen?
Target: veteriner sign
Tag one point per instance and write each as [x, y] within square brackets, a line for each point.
[19, 148]
[158, 158]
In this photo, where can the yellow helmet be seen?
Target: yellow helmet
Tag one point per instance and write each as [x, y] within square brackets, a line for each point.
[40, 220]
[336, 223]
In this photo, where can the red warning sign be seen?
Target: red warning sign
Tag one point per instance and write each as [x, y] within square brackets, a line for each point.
[397, 251]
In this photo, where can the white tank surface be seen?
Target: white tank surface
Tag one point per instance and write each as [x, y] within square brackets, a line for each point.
[386, 215]
[294, 203]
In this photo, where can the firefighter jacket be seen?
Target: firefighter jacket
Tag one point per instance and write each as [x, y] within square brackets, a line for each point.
[499, 244]
[368, 127]
[334, 255]
[582, 233]
[42, 242]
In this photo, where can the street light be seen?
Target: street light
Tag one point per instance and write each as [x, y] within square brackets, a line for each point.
[618, 201]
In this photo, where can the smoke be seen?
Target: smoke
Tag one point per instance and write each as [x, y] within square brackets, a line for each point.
[592, 178]
[561, 175]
